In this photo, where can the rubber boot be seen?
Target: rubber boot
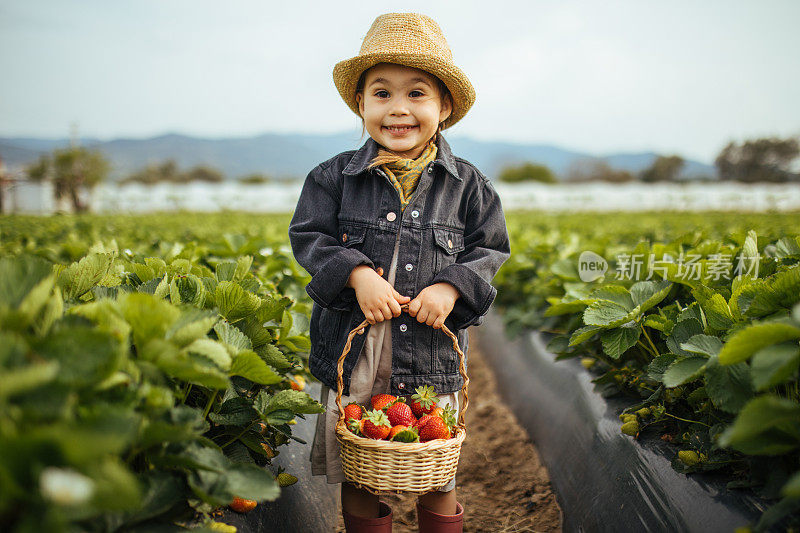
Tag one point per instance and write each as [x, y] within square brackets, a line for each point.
[358, 524]
[430, 522]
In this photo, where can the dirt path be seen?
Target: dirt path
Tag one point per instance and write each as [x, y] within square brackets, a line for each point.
[501, 481]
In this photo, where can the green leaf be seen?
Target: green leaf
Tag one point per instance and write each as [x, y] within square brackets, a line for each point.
[682, 332]
[660, 323]
[718, 313]
[234, 302]
[234, 412]
[226, 270]
[684, 370]
[81, 276]
[746, 342]
[243, 264]
[192, 324]
[230, 335]
[85, 356]
[776, 293]
[729, 386]
[251, 482]
[703, 345]
[213, 351]
[187, 289]
[292, 400]
[116, 488]
[659, 365]
[607, 314]
[149, 316]
[617, 341]
[19, 276]
[583, 334]
[792, 487]
[614, 293]
[647, 294]
[27, 378]
[567, 308]
[767, 425]
[774, 365]
[273, 357]
[250, 366]
[183, 365]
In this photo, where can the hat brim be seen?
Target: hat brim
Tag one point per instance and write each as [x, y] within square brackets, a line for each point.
[346, 74]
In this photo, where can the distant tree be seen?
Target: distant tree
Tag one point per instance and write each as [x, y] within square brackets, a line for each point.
[768, 159]
[591, 169]
[154, 173]
[202, 173]
[527, 172]
[72, 171]
[664, 168]
[254, 179]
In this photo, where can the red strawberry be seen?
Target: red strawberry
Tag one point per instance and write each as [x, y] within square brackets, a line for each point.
[423, 401]
[400, 413]
[241, 505]
[382, 401]
[424, 419]
[376, 425]
[353, 410]
[435, 428]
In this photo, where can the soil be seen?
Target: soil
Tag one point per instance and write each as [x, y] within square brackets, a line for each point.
[501, 481]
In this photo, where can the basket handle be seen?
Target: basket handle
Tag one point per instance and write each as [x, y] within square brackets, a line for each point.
[358, 330]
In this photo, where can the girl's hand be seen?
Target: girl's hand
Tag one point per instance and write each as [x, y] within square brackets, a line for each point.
[433, 304]
[378, 300]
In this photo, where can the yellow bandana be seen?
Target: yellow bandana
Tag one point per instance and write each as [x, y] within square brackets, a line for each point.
[405, 173]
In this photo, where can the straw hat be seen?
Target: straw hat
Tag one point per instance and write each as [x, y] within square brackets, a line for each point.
[409, 39]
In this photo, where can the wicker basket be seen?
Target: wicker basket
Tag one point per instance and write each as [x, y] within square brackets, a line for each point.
[381, 466]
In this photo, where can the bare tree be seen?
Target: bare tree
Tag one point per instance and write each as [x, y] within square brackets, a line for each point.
[768, 159]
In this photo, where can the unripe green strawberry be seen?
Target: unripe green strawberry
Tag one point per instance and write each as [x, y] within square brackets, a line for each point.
[221, 527]
[630, 428]
[644, 412]
[376, 425]
[285, 479]
[689, 457]
[628, 417]
[588, 362]
[404, 435]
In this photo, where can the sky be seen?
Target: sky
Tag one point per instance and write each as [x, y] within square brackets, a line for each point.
[679, 77]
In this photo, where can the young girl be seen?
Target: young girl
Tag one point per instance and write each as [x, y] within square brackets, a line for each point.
[405, 206]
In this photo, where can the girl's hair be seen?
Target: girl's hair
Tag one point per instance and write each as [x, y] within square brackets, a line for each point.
[387, 156]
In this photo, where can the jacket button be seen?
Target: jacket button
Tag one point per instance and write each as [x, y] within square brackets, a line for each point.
[415, 213]
[409, 267]
[401, 385]
[391, 216]
[403, 328]
[344, 237]
[449, 243]
[430, 169]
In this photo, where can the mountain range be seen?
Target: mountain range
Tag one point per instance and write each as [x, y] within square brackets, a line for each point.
[293, 155]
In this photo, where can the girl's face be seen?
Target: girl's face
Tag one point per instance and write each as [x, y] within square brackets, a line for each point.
[401, 107]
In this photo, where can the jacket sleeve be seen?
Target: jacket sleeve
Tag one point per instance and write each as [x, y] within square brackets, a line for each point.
[314, 236]
[486, 247]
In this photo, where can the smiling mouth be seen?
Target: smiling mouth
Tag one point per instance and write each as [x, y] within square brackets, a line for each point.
[399, 129]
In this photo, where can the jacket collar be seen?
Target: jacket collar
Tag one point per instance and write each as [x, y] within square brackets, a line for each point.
[365, 154]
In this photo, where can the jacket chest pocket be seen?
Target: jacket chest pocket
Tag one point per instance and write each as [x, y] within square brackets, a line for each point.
[448, 244]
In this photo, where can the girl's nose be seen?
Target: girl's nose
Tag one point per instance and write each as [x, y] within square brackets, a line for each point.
[400, 107]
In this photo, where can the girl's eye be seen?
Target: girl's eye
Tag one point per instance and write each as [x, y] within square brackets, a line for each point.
[382, 94]
[415, 93]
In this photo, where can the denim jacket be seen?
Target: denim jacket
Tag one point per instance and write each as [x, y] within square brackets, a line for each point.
[453, 230]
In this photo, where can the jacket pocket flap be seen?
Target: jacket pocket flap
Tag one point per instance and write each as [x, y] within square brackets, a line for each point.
[450, 241]
[350, 235]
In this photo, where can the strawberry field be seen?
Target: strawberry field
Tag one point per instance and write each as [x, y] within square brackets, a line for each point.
[695, 318]
[152, 367]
